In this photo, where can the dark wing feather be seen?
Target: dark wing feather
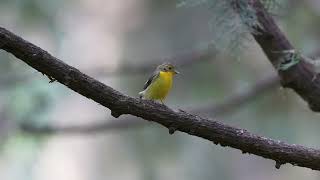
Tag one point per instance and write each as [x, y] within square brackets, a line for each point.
[151, 79]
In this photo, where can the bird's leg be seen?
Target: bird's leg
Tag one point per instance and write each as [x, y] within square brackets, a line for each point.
[161, 101]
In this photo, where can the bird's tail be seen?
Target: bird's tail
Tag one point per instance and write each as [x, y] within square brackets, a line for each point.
[141, 94]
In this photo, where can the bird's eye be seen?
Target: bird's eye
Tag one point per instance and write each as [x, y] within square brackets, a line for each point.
[170, 68]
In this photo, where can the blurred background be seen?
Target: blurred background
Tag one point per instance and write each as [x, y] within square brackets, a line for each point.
[224, 76]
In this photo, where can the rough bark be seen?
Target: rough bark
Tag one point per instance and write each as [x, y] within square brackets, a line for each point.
[301, 77]
[119, 104]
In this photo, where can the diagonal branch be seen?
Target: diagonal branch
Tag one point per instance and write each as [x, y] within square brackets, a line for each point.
[119, 104]
[301, 77]
[227, 106]
[179, 60]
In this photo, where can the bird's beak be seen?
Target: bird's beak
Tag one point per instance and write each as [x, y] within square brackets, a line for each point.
[176, 72]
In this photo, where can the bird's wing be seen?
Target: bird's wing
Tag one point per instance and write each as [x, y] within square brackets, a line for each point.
[151, 79]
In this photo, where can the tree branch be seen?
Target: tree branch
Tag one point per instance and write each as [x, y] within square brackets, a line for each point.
[119, 104]
[231, 103]
[237, 99]
[179, 60]
[84, 129]
[301, 77]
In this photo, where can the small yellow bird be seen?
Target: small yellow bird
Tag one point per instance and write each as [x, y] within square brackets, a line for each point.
[159, 84]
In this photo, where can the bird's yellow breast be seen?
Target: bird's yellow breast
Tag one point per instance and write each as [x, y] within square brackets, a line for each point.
[161, 86]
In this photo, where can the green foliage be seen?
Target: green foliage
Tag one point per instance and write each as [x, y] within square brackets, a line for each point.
[232, 22]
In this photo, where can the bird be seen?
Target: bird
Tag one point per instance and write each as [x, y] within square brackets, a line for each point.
[159, 83]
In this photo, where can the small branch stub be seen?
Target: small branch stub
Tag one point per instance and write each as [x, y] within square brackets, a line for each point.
[51, 79]
[172, 130]
[215, 142]
[244, 152]
[278, 164]
[115, 114]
